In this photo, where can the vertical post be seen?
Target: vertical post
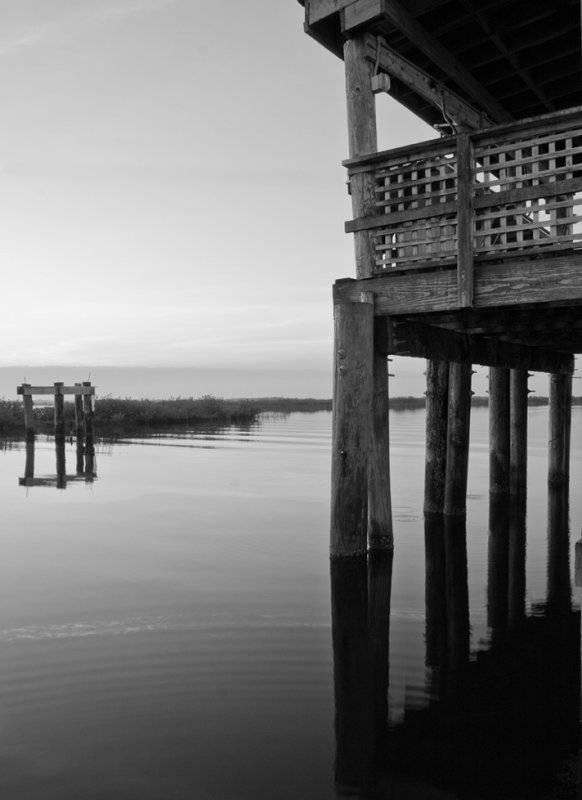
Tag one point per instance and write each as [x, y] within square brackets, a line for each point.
[28, 413]
[59, 410]
[379, 596]
[517, 556]
[465, 221]
[559, 597]
[459, 419]
[352, 405]
[498, 564]
[568, 425]
[362, 139]
[79, 416]
[559, 400]
[499, 430]
[380, 534]
[457, 591]
[437, 396]
[518, 431]
[89, 415]
[61, 465]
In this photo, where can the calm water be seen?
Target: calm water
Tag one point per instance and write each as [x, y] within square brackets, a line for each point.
[165, 630]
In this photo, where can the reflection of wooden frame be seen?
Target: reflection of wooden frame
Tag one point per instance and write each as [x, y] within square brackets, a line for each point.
[85, 466]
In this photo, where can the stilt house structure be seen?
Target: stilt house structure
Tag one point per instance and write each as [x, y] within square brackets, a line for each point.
[468, 247]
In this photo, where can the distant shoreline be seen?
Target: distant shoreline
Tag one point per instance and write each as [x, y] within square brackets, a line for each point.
[124, 414]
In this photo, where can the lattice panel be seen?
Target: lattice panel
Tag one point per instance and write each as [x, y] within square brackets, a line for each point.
[410, 193]
[517, 171]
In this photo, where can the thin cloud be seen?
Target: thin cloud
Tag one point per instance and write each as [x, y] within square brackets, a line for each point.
[74, 25]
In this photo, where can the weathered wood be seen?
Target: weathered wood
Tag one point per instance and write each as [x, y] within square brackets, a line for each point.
[89, 414]
[435, 590]
[518, 431]
[352, 415]
[27, 389]
[559, 400]
[458, 110]
[59, 410]
[428, 341]
[380, 564]
[567, 425]
[316, 10]
[557, 280]
[380, 534]
[498, 430]
[465, 222]
[459, 418]
[79, 415]
[361, 12]
[437, 398]
[28, 416]
[362, 138]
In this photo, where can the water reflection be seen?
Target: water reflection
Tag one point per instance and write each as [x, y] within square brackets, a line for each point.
[85, 470]
[499, 722]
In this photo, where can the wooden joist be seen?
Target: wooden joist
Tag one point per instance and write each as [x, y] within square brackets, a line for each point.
[429, 341]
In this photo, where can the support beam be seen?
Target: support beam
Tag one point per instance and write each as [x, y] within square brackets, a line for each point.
[553, 280]
[459, 418]
[498, 430]
[362, 138]
[429, 341]
[461, 113]
[518, 432]
[380, 533]
[437, 396]
[352, 406]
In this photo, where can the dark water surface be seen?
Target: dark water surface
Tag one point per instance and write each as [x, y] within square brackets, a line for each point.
[165, 630]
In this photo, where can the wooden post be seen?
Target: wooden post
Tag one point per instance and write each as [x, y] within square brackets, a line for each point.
[465, 221]
[362, 138]
[559, 400]
[61, 464]
[59, 410]
[28, 413]
[518, 431]
[79, 416]
[380, 534]
[437, 395]
[89, 415]
[567, 426]
[459, 419]
[435, 590]
[498, 430]
[352, 407]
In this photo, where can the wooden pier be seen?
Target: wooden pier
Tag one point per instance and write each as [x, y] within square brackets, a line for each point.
[468, 247]
[84, 409]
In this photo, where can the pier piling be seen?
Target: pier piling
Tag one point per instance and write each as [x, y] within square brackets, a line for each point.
[518, 431]
[459, 419]
[560, 399]
[437, 396]
[59, 410]
[499, 430]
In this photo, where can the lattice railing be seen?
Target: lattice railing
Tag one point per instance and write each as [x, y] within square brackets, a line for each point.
[511, 191]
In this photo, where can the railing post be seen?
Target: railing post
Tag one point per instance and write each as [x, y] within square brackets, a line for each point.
[465, 221]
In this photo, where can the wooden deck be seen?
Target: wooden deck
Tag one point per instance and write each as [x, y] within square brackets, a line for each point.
[479, 236]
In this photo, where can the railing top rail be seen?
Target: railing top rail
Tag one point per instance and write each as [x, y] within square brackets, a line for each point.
[554, 122]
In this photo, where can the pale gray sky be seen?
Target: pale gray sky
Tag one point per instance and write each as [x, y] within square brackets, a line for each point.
[171, 189]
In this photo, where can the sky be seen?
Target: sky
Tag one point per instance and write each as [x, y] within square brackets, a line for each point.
[172, 195]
